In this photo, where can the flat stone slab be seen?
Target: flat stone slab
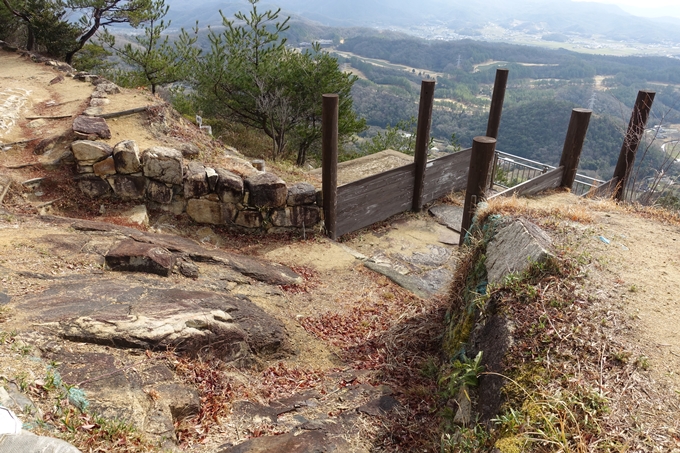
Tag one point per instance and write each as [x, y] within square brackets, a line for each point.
[90, 125]
[413, 284]
[514, 248]
[449, 216]
[304, 442]
[146, 313]
[29, 442]
[267, 272]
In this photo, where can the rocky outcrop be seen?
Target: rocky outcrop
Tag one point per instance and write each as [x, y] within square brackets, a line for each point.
[140, 257]
[514, 248]
[503, 247]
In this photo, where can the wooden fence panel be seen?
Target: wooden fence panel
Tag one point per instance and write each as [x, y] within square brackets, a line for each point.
[373, 199]
[446, 174]
[549, 180]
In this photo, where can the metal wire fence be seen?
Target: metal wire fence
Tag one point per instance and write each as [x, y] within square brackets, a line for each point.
[510, 170]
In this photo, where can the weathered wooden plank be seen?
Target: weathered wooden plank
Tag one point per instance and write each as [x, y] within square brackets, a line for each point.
[377, 182]
[602, 191]
[357, 216]
[548, 180]
[389, 191]
[446, 174]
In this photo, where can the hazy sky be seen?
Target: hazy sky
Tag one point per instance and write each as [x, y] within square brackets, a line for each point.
[649, 8]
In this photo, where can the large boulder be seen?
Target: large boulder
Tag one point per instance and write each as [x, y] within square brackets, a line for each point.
[88, 151]
[297, 216]
[126, 157]
[132, 187]
[163, 164]
[229, 186]
[515, 247]
[196, 181]
[266, 190]
[159, 192]
[251, 219]
[201, 210]
[94, 187]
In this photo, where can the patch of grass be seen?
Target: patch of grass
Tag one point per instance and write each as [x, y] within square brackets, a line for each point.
[513, 206]
[642, 362]
[461, 373]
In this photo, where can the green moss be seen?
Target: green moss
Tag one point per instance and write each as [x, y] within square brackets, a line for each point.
[513, 444]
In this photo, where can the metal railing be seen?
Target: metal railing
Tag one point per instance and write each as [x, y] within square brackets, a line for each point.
[509, 170]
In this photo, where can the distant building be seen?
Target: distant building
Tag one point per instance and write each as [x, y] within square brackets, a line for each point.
[321, 42]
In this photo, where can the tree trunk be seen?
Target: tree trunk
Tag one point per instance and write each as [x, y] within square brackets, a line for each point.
[85, 38]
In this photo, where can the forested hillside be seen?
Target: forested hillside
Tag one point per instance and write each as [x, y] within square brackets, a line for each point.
[544, 85]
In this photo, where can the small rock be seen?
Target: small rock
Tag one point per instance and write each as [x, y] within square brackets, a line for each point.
[93, 111]
[137, 215]
[130, 255]
[379, 406]
[92, 125]
[107, 87]
[87, 151]
[188, 269]
[57, 79]
[463, 415]
[99, 102]
[105, 167]
[40, 122]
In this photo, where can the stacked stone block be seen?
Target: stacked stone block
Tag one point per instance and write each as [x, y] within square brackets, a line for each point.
[160, 177]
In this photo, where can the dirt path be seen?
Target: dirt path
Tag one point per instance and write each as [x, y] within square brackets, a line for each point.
[640, 261]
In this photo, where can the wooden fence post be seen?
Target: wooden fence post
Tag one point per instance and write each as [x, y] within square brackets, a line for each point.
[483, 150]
[636, 127]
[329, 162]
[494, 122]
[422, 140]
[497, 102]
[573, 145]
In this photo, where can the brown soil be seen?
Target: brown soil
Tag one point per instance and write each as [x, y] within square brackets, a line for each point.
[641, 270]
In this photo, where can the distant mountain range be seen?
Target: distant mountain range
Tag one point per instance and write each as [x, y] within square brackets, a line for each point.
[545, 16]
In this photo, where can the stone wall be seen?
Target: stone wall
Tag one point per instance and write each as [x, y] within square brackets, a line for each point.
[163, 179]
